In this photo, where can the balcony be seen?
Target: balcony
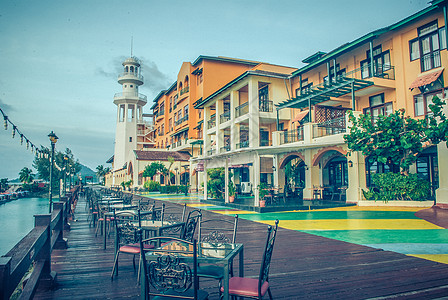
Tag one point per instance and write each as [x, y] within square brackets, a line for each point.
[211, 152]
[266, 105]
[160, 114]
[131, 77]
[291, 136]
[242, 144]
[330, 127]
[181, 120]
[212, 122]
[265, 143]
[130, 95]
[224, 117]
[226, 148]
[184, 90]
[242, 110]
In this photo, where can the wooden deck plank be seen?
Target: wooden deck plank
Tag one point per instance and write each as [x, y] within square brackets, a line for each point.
[304, 266]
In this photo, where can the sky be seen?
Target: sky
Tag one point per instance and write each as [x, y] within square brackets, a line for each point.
[59, 60]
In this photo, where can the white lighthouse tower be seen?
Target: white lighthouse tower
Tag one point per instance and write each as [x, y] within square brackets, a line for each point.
[129, 111]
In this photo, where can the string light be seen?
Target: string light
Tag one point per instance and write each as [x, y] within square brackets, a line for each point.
[15, 130]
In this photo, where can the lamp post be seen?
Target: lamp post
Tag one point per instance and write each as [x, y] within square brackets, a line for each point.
[53, 140]
[65, 173]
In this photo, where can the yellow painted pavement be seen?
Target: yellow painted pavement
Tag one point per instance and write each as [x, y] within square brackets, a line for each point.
[355, 224]
[441, 258]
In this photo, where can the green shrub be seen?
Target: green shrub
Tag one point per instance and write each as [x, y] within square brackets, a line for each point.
[395, 186]
[152, 186]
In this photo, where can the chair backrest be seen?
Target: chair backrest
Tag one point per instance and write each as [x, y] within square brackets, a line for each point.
[218, 231]
[267, 255]
[172, 270]
[126, 233]
[190, 225]
[172, 214]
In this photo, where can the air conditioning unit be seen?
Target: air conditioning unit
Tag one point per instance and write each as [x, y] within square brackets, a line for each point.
[246, 187]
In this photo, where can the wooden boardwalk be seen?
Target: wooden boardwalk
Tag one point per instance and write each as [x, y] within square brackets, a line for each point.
[304, 266]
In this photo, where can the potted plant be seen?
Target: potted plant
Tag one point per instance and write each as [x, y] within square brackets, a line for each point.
[232, 191]
[262, 192]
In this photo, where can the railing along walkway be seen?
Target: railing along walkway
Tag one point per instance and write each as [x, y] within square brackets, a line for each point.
[303, 266]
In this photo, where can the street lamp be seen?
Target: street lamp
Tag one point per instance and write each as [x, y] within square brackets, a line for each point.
[53, 140]
[65, 173]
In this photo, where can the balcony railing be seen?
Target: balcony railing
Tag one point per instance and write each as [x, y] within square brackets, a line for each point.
[330, 127]
[430, 61]
[211, 152]
[265, 143]
[266, 105]
[224, 117]
[226, 148]
[242, 110]
[181, 120]
[131, 95]
[243, 144]
[139, 77]
[184, 90]
[291, 136]
[212, 122]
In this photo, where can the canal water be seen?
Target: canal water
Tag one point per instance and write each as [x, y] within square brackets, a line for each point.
[16, 220]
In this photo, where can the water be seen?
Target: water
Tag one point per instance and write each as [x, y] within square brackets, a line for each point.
[16, 220]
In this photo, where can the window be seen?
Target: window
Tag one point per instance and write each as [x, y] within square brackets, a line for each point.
[306, 87]
[339, 73]
[171, 103]
[427, 46]
[199, 79]
[422, 102]
[130, 139]
[378, 168]
[121, 117]
[186, 111]
[170, 125]
[378, 107]
[130, 113]
[381, 63]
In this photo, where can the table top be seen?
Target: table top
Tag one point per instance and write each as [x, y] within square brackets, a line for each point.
[207, 252]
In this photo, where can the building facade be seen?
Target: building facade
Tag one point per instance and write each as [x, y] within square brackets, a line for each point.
[399, 66]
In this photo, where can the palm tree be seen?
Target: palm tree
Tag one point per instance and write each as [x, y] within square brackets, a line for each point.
[26, 175]
[4, 184]
[101, 172]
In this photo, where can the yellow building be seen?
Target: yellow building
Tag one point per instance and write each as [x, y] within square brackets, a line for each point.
[399, 66]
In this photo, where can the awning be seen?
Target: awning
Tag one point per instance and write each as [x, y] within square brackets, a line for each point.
[180, 131]
[425, 79]
[299, 117]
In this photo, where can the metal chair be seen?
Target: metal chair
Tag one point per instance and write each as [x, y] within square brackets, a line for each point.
[172, 274]
[126, 238]
[183, 230]
[256, 288]
[216, 231]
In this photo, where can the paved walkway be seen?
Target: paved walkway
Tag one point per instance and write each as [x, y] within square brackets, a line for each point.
[415, 231]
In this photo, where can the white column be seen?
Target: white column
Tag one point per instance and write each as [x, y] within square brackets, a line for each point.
[234, 128]
[254, 119]
[205, 177]
[356, 177]
[312, 175]
[226, 175]
[256, 178]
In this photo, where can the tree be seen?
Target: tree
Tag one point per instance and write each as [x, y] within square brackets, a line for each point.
[101, 172]
[26, 175]
[437, 130]
[4, 184]
[216, 182]
[152, 169]
[394, 139]
[168, 172]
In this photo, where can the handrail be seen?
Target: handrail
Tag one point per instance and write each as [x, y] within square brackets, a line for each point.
[35, 248]
[242, 109]
[291, 136]
[140, 77]
[131, 94]
[329, 127]
[224, 117]
[266, 105]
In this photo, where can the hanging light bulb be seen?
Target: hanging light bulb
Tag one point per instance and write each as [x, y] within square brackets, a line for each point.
[5, 118]
[27, 144]
[13, 131]
[21, 139]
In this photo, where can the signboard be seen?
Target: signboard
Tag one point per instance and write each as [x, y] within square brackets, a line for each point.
[200, 167]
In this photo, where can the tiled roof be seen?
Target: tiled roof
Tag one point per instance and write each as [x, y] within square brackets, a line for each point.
[161, 155]
[426, 79]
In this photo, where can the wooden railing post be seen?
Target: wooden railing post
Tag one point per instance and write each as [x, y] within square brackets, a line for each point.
[61, 242]
[66, 209]
[47, 277]
[5, 271]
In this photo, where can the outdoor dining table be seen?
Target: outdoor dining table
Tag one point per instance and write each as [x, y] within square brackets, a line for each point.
[208, 253]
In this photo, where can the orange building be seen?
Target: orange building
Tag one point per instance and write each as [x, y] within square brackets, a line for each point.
[178, 125]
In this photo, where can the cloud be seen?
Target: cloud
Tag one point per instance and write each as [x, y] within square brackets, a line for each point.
[6, 107]
[154, 79]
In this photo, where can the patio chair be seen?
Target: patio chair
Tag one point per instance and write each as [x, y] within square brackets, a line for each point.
[183, 230]
[256, 288]
[168, 275]
[216, 231]
[126, 238]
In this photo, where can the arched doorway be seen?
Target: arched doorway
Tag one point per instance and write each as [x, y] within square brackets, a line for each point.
[184, 178]
[293, 168]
